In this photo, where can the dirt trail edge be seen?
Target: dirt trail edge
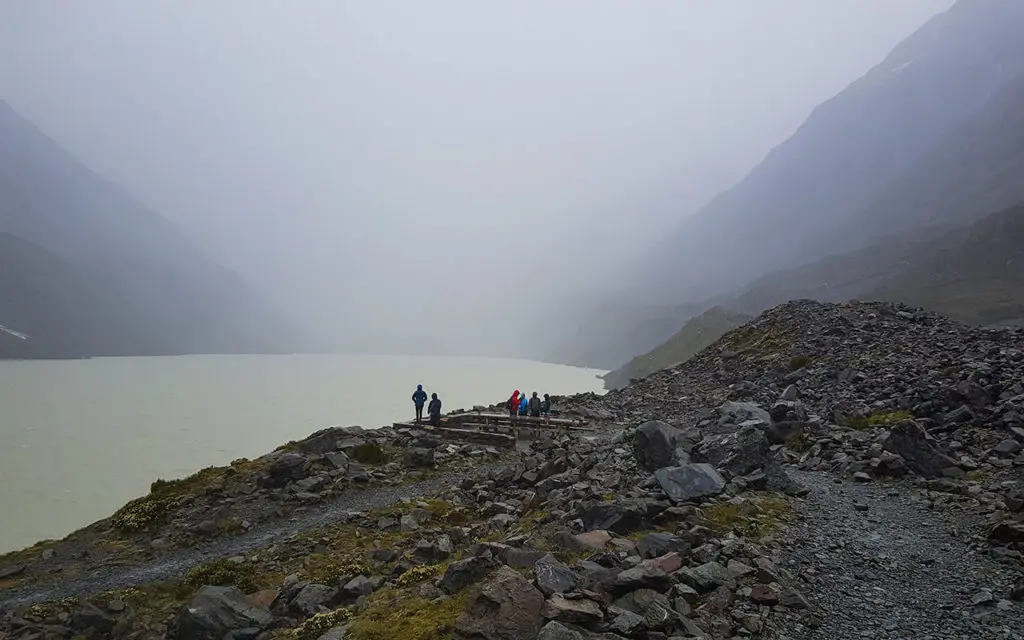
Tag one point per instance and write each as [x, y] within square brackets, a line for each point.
[876, 561]
[175, 563]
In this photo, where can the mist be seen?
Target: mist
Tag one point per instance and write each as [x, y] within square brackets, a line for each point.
[432, 177]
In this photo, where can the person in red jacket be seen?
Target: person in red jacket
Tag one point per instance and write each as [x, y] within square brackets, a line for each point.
[513, 404]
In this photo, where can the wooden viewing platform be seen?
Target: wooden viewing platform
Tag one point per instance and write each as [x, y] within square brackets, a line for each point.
[499, 429]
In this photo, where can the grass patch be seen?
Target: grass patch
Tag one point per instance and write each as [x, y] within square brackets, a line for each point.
[419, 574]
[889, 418]
[165, 496]
[369, 453]
[799, 362]
[330, 570]
[755, 519]
[224, 572]
[394, 614]
[321, 623]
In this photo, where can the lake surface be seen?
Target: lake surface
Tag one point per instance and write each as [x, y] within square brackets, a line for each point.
[82, 437]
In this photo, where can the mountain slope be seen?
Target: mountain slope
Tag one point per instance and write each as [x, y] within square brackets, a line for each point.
[88, 270]
[696, 334]
[909, 143]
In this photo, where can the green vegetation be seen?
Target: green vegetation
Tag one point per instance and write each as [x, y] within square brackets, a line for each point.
[755, 519]
[165, 496]
[321, 623]
[419, 574]
[799, 362]
[396, 614]
[889, 418]
[369, 453]
[799, 442]
[224, 572]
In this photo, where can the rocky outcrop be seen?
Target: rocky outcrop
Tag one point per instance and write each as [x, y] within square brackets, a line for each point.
[215, 611]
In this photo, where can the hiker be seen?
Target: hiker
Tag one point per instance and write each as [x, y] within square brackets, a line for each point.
[545, 407]
[419, 398]
[513, 404]
[534, 406]
[524, 402]
[434, 410]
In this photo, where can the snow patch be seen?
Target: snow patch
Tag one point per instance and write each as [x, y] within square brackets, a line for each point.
[16, 334]
[901, 67]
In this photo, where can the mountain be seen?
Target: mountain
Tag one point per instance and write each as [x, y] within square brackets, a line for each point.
[696, 334]
[87, 270]
[885, 155]
[973, 273]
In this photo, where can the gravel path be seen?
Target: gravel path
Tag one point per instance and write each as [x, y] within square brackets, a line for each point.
[175, 563]
[877, 563]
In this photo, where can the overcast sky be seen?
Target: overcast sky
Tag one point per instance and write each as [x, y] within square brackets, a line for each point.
[442, 168]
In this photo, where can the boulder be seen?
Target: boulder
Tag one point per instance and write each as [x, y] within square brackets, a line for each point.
[910, 441]
[463, 573]
[642, 577]
[552, 576]
[419, 457]
[312, 599]
[618, 517]
[288, 467]
[558, 631]
[579, 611]
[690, 481]
[214, 611]
[89, 620]
[657, 444]
[707, 577]
[504, 607]
[1007, 533]
[747, 452]
[740, 412]
[658, 544]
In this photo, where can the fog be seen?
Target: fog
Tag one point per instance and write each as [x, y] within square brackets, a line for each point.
[431, 176]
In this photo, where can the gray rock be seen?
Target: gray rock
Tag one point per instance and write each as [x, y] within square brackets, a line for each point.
[690, 481]
[642, 577]
[707, 577]
[911, 442]
[504, 607]
[420, 458]
[628, 623]
[657, 444]
[658, 544]
[578, 611]
[89, 617]
[463, 573]
[213, 612]
[288, 467]
[740, 412]
[338, 460]
[552, 576]
[312, 599]
[557, 631]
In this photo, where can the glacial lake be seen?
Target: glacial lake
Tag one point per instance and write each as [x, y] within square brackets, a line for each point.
[82, 437]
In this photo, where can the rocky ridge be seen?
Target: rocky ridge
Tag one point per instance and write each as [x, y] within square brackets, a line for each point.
[811, 475]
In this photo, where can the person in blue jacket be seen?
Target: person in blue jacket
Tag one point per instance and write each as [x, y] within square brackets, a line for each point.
[419, 398]
[524, 403]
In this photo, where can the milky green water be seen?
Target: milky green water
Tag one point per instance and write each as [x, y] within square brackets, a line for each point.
[79, 438]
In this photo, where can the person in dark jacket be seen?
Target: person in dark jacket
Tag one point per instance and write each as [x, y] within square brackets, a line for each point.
[545, 406]
[434, 410]
[534, 405]
[513, 404]
[419, 398]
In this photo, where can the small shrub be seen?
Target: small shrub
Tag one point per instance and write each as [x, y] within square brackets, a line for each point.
[799, 362]
[860, 423]
[321, 623]
[419, 574]
[142, 512]
[369, 453]
[323, 569]
[799, 442]
[224, 573]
